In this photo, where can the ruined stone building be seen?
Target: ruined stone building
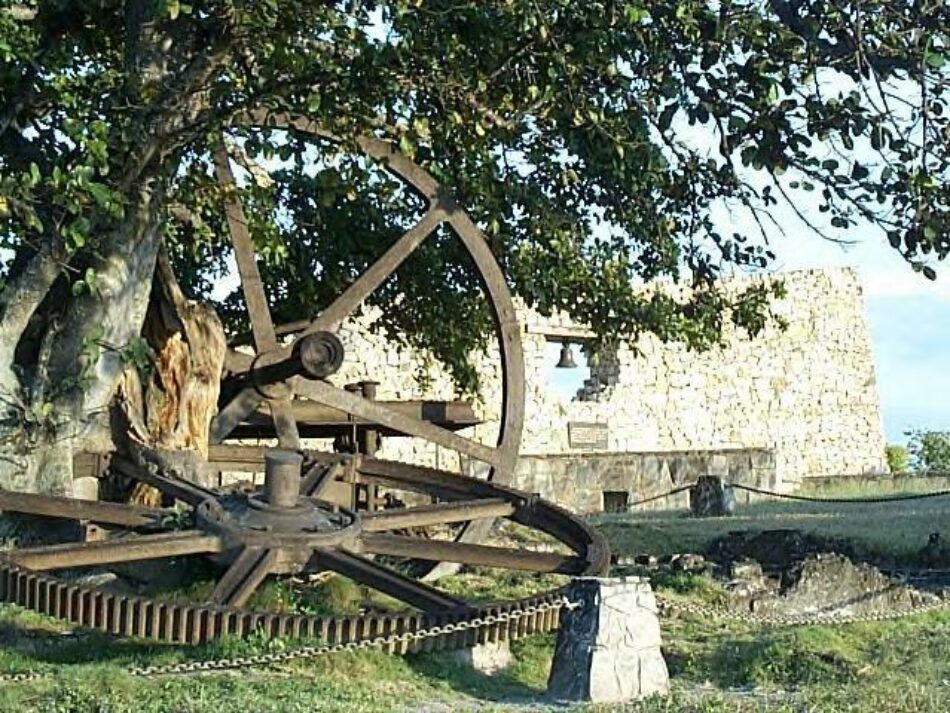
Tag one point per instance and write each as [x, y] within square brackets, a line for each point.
[770, 411]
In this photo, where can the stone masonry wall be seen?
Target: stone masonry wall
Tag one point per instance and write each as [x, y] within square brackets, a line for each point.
[581, 481]
[806, 394]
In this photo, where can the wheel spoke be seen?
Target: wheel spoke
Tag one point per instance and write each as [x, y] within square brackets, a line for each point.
[132, 549]
[439, 514]
[287, 434]
[385, 580]
[319, 478]
[171, 485]
[253, 287]
[375, 412]
[232, 415]
[367, 283]
[244, 576]
[265, 339]
[72, 509]
[483, 555]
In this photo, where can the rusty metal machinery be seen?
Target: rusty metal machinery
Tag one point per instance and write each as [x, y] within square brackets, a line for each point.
[296, 524]
[285, 528]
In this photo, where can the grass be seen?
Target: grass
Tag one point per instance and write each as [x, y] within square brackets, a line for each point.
[892, 666]
[893, 530]
[900, 666]
[714, 666]
[89, 673]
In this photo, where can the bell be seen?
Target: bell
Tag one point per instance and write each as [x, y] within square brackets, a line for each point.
[567, 358]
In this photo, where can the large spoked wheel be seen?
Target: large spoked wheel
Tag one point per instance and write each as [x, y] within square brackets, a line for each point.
[285, 528]
[289, 526]
[280, 372]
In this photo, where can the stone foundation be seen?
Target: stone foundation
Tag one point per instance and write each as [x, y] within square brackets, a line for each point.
[586, 483]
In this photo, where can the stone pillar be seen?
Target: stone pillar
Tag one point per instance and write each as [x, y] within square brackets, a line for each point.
[608, 650]
[710, 498]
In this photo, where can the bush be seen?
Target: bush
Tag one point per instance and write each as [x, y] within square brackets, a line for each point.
[929, 451]
[898, 459]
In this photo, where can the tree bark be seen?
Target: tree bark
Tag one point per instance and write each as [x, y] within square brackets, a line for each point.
[169, 406]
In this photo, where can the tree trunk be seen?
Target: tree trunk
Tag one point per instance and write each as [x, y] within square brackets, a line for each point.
[166, 408]
[64, 397]
[166, 405]
[59, 397]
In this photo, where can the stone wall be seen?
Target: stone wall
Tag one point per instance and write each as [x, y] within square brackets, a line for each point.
[806, 395]
[593, 481]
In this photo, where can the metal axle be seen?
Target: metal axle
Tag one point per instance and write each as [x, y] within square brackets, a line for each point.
[282, 477]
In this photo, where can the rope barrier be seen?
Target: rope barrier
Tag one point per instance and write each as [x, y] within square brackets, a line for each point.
[814, 499]
[802, 498]
[667, 494]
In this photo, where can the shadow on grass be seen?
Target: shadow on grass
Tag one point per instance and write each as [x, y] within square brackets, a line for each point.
[785, 659]
[38, 644]
[23, 643]
[502, 686]
[524, 681]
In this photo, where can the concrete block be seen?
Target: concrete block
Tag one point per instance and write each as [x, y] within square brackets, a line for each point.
[489, 658]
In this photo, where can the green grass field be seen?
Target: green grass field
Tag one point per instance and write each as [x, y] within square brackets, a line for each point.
[715, 665]
[897, 530]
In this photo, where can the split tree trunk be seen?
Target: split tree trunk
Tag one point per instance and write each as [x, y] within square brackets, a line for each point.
[166, 409]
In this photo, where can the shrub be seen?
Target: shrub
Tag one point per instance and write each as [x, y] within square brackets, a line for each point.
[929, 451]
[898, 458]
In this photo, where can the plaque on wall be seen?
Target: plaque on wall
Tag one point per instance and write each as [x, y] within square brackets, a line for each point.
[587, 436]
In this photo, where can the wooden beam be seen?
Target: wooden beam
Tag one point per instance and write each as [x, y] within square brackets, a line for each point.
[383, 579]
[129, 549]
[315, 414]
[244, 576]
[438, 514]
[483, 555]
[72, 509]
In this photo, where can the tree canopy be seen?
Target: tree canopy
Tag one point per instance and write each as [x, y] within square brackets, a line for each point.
[591, 141]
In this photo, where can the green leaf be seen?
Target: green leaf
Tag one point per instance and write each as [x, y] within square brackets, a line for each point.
[406, 145]
[100, 192]
[935, 59]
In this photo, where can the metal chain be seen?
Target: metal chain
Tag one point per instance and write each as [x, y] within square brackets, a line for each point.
[307, 652]
[668, 606]
[22, 677]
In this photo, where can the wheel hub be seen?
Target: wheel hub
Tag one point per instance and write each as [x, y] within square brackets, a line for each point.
[279, 516]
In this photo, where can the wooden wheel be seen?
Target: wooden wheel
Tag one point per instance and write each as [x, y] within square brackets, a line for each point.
[275, 375]
[286, 529]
